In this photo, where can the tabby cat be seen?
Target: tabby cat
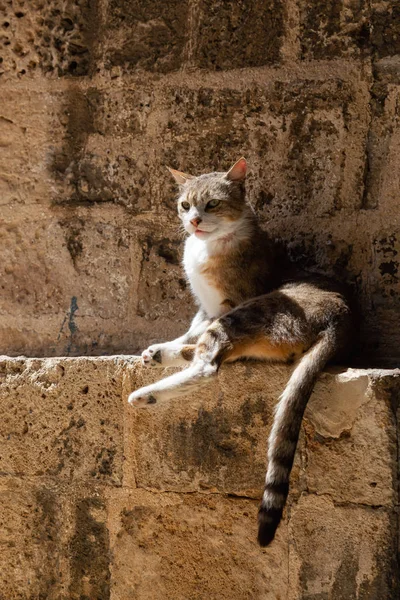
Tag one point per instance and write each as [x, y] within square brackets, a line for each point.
[251, 305]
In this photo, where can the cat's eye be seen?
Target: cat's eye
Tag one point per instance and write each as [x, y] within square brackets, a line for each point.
[185, 205]
[213, 204]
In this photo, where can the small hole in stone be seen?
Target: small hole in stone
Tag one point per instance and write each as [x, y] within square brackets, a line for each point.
[373, 484]
[72, 66]
[6, 24]
[19, 15]
[85, 389]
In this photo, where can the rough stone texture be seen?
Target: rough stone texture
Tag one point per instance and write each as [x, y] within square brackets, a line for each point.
[330, 29]
[146, 35]
[57, 38]
[101, 501]
[348, 572]
[221, 27]
[62, 419]
[98, 97]
[85, 156]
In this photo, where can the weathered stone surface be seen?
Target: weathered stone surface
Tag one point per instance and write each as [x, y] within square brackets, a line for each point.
[300, 133]
[321, 180]
[96, 98]
[216, 442]
[192, 546]
[66, 310]
[62, 419]
[330, 29]
[31, 559]
[58, 38]
[101, 501]
[89, 549]
[360, 562]
[220, 441]
[55, 540]
[243, 34]
[351, 439]
[25, 130]
[385, 27]
[146, 35]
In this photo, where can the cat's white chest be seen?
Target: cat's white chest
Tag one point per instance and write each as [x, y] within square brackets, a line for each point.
[195, 259]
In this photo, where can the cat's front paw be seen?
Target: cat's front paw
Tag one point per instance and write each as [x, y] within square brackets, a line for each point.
[152, 357]
[141, 398]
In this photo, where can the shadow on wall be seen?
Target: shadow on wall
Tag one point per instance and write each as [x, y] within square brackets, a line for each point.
[107, 96]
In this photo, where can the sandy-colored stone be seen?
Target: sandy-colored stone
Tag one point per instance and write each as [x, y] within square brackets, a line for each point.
[102, 501]
[331, 29]
[386, 27]
[57, 39]
[341, 552]
[322, 144]
[30, 531]
[215, 442]
[62, 418]
[96, 99]
[350, 440]
[221, 28]
[192, 546]
[54, 539]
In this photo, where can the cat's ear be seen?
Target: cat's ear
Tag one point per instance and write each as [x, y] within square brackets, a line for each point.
[238, 171]
[180, 177]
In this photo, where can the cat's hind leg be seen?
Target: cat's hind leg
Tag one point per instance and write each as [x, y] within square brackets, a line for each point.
[235, 335]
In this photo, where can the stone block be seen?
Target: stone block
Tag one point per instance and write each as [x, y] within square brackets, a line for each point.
[217, 441]
[77, 278]
[32, 559]
[385, 21]
[231, 36]
[341, 552]
[55, 540]
[296, 136]
[57, 39]
[89, 553]
[63, 418]
[184, 546]
[330, 29]
[26, 130]
[146, 35]
[350, 440]
[162, 278]
[102, 501]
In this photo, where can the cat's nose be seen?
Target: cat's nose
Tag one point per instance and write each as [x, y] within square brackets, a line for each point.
[195, 222]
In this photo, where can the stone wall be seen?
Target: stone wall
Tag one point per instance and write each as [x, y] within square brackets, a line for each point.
[103, 502]
[98, 96]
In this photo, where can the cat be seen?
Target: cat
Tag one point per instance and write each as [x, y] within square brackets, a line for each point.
[252, 304]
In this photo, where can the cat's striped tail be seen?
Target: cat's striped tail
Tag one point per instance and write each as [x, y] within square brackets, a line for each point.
[285, 433]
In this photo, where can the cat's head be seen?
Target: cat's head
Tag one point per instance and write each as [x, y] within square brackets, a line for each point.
[212, 206]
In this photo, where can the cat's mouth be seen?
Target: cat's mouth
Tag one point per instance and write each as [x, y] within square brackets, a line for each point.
[200, 233]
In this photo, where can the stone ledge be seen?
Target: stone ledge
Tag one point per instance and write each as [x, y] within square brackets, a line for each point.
[103, 501]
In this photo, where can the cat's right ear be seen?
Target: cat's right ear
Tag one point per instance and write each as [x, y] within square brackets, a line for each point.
[180, 177]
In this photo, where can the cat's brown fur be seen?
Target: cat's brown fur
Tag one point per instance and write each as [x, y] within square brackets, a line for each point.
[252, 305]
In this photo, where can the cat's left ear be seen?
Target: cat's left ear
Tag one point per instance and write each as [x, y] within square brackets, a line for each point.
[238, 171]
[180, 177]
